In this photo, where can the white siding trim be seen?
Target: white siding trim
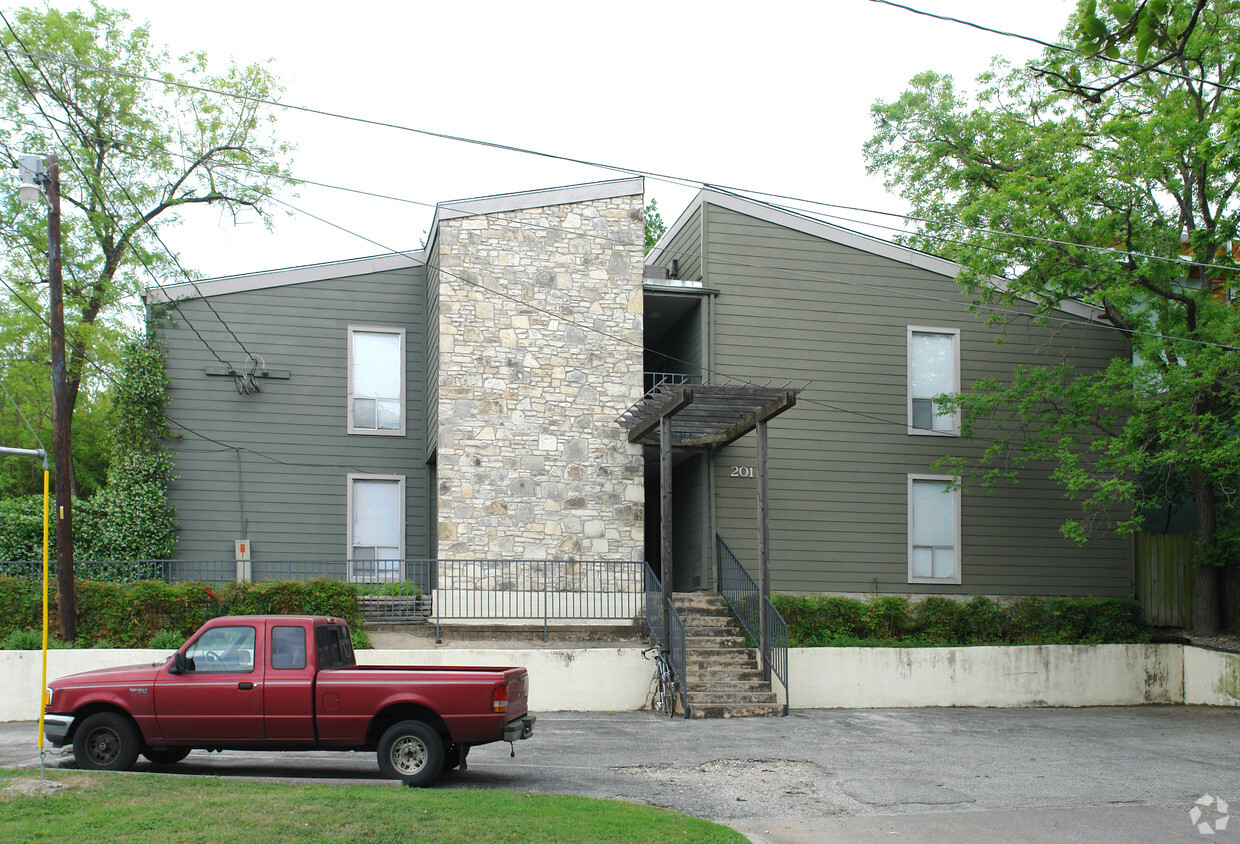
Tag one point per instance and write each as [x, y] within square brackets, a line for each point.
[955, 529]
[908, 378]
[348, 399]
[281, 278]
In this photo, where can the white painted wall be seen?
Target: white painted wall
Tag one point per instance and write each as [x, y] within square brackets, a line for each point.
[618, 679]
[1211, 677]
[1039, 675]
[582, 679]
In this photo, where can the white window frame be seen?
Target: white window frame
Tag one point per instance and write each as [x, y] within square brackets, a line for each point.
[955, 335]
[374, 329]
[352, 478]
[955, 493]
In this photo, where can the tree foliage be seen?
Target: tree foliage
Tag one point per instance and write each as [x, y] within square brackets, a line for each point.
[136, 153]
[1128, 204]
[654, 224]
[129, 518]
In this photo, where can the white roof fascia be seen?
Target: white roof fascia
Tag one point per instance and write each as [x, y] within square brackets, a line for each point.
[542, 198]
[281, 278]
[844, 237]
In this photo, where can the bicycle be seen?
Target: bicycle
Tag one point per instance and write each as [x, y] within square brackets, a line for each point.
[664, 699]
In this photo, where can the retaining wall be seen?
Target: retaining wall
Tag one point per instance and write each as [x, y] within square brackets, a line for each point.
[616, 679]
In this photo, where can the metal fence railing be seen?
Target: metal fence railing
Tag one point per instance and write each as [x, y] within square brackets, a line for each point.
[742, 594]
[442, 591]
[654, 379]
[674, 648]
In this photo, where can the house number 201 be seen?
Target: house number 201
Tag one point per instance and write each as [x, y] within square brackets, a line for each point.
[742, 471]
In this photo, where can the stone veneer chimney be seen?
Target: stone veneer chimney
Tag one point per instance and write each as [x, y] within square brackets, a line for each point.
[540, 336]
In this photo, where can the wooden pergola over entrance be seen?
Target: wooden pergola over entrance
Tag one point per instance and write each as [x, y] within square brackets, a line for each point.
[689, 415]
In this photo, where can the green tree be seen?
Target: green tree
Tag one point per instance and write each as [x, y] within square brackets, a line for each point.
[654, 224]
[1128, 204]
[136, 152]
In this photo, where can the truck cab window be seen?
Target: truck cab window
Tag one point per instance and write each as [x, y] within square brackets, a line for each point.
[288, 647]
[223, 650]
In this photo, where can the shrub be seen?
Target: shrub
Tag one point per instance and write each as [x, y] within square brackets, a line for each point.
[166, 640]
[28, 640]
[891, 621]
[133, 615]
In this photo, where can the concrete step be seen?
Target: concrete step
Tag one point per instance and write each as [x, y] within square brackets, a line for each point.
[702, 677]
[731, 699]
[724, 639]
[730, 687]
[743, 710]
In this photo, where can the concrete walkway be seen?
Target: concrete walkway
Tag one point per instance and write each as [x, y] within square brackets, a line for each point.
[1106, 774]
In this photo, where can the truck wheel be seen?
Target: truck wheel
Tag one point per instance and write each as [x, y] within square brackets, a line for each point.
[168, 756]
[411, 752]
[106, 741]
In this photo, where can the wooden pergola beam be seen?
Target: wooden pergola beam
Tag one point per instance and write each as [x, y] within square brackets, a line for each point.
[679, 398]
[739, 429]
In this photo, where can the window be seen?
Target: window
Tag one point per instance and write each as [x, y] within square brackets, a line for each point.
[377, 381]
[376, 514]
[933, 370]
[288, 647]
[933, 530]
[223, 650]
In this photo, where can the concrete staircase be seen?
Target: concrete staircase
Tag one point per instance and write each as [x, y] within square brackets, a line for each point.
[724, 679]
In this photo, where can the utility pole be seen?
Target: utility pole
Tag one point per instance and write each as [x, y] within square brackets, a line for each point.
[44, 177]
[62, 417]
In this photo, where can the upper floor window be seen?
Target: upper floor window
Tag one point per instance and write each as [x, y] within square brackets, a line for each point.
[376, 380]
[933, 370]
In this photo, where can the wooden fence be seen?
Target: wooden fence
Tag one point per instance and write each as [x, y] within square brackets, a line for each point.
[1164, 578]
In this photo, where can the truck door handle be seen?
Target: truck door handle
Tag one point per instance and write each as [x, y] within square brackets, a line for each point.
[245, 687]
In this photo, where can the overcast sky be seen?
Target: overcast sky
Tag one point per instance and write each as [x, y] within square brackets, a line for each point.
[772, 96]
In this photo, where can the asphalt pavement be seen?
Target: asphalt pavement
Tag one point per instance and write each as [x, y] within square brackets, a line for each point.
[1106, 774]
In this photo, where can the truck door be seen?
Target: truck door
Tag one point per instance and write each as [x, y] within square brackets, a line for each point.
[289, 694]
[220, 696]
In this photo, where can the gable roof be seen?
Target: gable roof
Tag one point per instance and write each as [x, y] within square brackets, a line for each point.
[834, 234]
[280, 278]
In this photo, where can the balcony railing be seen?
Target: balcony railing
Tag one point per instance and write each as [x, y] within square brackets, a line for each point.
[654, 379]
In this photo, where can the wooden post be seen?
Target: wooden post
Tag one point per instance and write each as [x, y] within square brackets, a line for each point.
[764, 554]
[665, 522]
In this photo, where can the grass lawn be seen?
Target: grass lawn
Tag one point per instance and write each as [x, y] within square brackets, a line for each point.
[146, 808]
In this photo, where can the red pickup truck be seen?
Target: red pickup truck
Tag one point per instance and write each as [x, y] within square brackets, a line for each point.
[285, 683]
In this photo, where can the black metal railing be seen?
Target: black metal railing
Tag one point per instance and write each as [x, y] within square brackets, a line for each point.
[674, 648]
[442, 591]
[742, 594]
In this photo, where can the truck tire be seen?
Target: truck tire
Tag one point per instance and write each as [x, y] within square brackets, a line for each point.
[167, 756]
[106, 741]
[411, 752]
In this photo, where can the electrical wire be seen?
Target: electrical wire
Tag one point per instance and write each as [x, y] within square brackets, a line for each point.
[1153, 68]
[97, 193]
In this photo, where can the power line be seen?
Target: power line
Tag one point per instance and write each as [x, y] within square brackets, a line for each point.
[97, 192]
[1153, 68]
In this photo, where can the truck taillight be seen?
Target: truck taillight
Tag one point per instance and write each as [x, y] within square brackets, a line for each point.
[499, 698]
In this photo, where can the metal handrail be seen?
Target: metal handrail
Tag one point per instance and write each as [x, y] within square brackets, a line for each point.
[675, 646]
[742, 595]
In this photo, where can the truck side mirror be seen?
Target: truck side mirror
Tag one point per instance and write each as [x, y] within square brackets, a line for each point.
[180, 664]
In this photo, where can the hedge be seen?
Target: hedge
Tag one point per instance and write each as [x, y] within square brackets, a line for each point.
[890, 621]
[139, 615]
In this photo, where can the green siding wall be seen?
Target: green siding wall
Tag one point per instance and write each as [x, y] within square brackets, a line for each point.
[837, 317]
[276, 463]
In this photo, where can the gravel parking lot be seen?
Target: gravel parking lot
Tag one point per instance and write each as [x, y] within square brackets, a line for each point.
[952, 774]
